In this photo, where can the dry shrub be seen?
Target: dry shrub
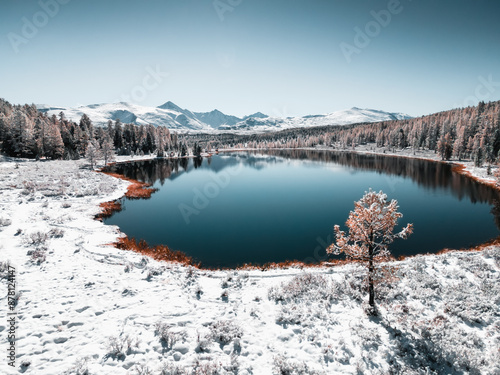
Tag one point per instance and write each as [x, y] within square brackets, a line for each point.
[225, 331]
[159, 252]
[137, 189]
[108, 209]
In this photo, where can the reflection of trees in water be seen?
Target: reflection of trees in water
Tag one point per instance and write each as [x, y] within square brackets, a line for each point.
[197, 162]
[428, 174]
[431, 175]
[150, 171]
[184, 163]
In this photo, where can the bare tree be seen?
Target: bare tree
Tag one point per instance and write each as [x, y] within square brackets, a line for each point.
[107, 149]
[92, 154]
[371, 230]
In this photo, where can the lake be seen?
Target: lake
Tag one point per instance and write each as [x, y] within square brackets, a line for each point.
[239, 208]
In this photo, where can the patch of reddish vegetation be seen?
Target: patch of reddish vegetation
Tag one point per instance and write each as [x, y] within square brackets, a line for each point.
[484, 246]
[493, 242]
[159, 252]
[108, 209]
[460, 169]
[293, 264]
[137, 189]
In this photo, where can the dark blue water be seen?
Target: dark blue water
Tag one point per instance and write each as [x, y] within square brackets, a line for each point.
[252, 208]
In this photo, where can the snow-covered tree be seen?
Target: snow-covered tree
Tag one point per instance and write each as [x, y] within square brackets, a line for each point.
[107, 149]
[92, 153]
[371, 230]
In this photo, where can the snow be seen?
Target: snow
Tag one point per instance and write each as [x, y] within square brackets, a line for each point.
[170, 116]
[90, 306]
[181, 120]
[345, 117]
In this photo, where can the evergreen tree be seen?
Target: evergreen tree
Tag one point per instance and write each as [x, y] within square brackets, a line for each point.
[371, 230]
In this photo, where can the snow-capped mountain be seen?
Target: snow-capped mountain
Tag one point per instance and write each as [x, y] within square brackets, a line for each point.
[183, 120]
[168, 115]
[345, 117]
[216, 118]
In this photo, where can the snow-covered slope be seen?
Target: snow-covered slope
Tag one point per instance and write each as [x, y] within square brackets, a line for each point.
[345, 117]
[183, 120]
[168, 115]
[216, 118]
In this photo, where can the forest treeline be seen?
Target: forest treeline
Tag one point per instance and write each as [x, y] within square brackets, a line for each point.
[466, 133]
[26, 132]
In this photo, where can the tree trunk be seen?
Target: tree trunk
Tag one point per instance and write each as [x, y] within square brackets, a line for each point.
[371, 289]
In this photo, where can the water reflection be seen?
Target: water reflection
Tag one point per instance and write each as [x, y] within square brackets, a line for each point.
[431, 175]
[282, 205]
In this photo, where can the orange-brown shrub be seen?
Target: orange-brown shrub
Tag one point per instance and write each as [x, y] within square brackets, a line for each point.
[159, 252]
[108, 208]
[137, 189]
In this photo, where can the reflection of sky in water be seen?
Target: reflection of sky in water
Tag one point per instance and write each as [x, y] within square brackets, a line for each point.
[252, 208]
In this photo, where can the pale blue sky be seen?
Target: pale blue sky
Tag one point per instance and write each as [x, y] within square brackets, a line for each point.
[281, 57]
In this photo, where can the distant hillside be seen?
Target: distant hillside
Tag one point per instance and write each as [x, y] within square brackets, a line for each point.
[182, 120]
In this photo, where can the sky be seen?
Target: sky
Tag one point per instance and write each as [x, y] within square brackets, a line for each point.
[280, 57]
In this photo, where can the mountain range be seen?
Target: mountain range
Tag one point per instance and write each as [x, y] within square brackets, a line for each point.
[185, 121]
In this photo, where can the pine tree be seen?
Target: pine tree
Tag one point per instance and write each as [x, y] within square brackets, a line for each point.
[371, 230]
[54, 143]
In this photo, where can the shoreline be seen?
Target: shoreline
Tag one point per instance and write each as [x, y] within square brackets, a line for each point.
[141, 190]
[88, 295]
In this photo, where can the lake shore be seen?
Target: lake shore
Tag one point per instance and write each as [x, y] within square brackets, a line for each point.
[83, 304]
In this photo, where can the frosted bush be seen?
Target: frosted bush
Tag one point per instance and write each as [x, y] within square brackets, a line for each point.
[284, 366]
[355, 286]
[306, 286]
[225, 331]
[120, 346]
[291, 315]
[208, 367]
[153, 271]
[29, 187]
[37, 238]
[168, 336]
[234, 280]
[79, 368]
[143, 370]
[170, 368]
[55, 233]
[38, 256]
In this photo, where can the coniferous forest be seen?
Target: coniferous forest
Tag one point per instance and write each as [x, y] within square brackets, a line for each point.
[467, 133]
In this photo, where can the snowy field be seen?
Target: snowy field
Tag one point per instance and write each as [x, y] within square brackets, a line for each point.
[84, 307]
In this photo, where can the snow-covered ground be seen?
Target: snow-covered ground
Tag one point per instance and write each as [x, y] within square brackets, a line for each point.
[84, 307]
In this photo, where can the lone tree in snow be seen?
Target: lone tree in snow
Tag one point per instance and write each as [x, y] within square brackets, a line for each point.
[371, 230]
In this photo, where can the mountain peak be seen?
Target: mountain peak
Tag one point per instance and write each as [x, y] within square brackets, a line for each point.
[171, 106]
[256, 115]
[172, 116]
